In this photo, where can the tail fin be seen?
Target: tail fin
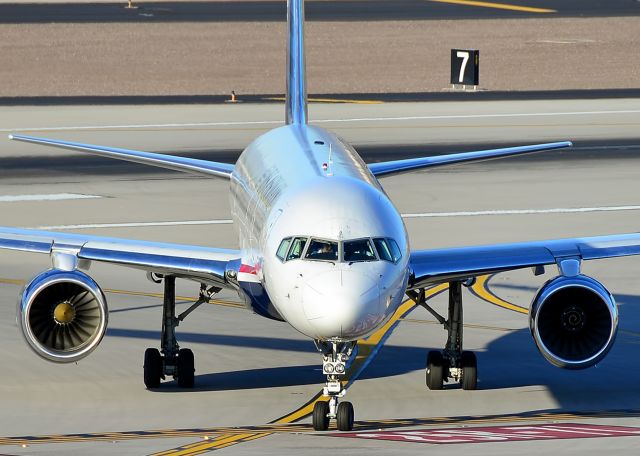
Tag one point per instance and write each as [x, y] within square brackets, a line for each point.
[296, 99]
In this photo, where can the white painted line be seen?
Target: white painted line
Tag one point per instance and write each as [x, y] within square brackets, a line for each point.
[560, 210]
[482, 116]
[46, 197]
[279, 122]
[132, 224]
[137, 126]
[418, 215]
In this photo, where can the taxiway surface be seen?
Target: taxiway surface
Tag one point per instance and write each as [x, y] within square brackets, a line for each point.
[64, 11]
[186, 48]
[250, 371]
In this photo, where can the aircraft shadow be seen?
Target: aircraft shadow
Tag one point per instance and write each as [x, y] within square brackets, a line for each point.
[513, 361]
[268, 343]
[510, 361]
[272, 377]
[396, 360]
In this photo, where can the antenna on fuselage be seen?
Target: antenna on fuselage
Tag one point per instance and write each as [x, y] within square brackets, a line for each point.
[296, 96]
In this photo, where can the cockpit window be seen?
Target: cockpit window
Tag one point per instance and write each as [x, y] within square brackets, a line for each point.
[395, 250]
[293, 248]
[384, 251]
[322, 250]
[297, 247]
[282, 249]
[358, 250]
[388, 249]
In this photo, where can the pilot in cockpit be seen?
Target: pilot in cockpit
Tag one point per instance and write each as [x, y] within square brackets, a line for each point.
[324, 251]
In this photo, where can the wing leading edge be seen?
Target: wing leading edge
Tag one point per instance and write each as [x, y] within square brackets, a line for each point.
[442, 265]
[185, 261]
[402, 166]
[190, 165]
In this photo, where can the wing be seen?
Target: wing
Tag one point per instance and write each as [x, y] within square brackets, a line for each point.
[443, 265]
[191, 262]
[190, 165]
[401, 166]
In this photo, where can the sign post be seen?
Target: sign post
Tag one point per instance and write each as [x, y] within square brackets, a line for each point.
[465, 67]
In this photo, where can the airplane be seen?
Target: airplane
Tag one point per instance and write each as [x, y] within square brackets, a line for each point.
[321, 247]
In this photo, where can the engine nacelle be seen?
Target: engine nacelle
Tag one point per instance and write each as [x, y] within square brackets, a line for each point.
[62, 315]
[574, 321]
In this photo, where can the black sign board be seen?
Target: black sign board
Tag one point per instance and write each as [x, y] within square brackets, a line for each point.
[465, 64]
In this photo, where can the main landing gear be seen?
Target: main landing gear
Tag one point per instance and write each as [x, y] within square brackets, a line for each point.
[452, 362]
[174, 361]
[336, 356]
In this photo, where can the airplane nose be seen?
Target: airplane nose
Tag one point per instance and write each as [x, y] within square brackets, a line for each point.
[342, 303]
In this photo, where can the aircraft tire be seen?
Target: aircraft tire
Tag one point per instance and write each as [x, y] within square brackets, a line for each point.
[344, 416]
[186, 369]
[152, 368]
[320, 417]
[435, 370]
[469, 370]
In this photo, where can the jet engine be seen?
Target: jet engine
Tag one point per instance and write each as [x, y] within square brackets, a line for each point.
[574, 321]
[62, 315]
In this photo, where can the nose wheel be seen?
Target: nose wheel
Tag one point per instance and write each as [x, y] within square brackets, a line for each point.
[343, 414]
[320, 418]
[336, 359]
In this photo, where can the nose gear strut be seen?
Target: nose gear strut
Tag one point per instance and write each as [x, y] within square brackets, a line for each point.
[337, 356]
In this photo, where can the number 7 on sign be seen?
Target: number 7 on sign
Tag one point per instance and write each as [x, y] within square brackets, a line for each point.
[464, 55]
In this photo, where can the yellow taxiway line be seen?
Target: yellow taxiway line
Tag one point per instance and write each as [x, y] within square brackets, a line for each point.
[481, 289]
[222, 441]
[218, 302]
[217, 438]
[211, 435]
[224, 437]
[330, 100]
[503, 6]
[367, 349]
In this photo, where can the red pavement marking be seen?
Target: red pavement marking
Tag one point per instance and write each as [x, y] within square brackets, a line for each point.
[497, 433]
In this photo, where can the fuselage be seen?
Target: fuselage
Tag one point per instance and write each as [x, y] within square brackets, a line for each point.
[323, 247]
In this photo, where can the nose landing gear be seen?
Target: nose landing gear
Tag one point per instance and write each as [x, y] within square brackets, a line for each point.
[336, 358]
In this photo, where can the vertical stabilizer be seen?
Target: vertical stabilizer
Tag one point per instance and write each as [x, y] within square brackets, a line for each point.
[296, 100]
